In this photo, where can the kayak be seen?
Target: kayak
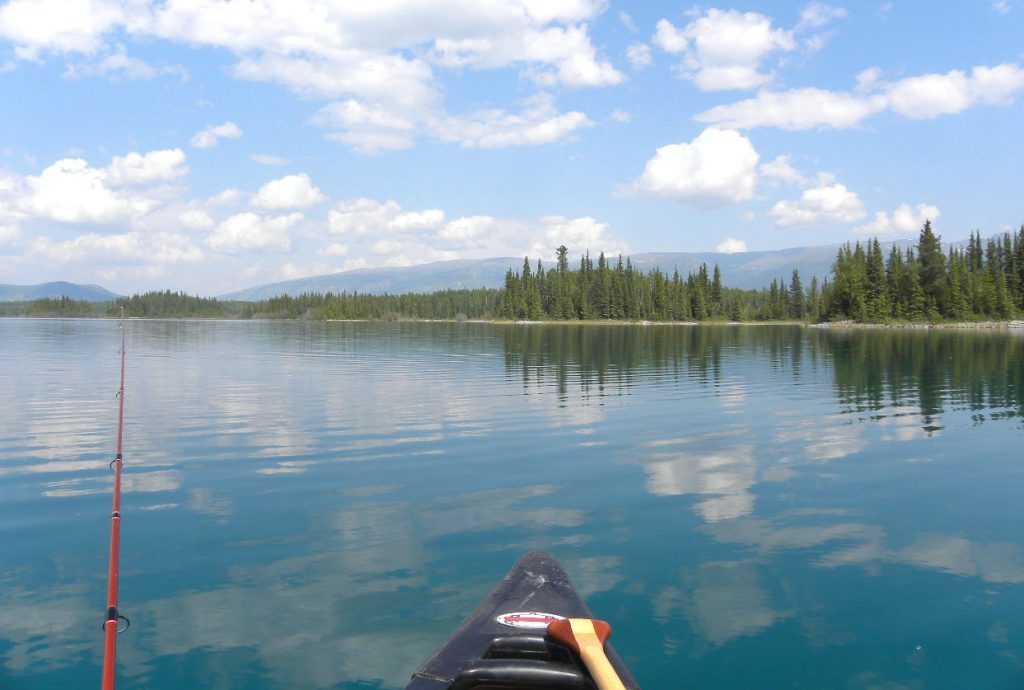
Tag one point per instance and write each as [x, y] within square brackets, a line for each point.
[504, 643]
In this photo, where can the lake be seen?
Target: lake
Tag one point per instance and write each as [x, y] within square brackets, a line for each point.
[317, 505]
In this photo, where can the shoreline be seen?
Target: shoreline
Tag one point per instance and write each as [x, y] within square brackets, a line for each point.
[952, 325]
[1012, 325]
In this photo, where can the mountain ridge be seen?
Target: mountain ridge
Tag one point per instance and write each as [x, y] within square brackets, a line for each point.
[55, 290]
[745, 270]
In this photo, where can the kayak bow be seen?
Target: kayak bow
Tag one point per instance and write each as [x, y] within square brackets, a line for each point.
[503, 642]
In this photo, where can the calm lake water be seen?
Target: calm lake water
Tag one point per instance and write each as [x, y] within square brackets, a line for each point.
[313, 505]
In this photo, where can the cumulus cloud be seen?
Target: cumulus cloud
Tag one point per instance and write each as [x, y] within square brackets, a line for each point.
[158, 247]
[378, 61]
[245, 231]
[724, 49]
[732, 246]
[579, 234]
[196, 219]
[34, 26]
[155, 166]
[383, 233]
[366, 216]
[71, 191]
[211, 136]
[717, 168]
[922, 97]
[288, 192]
[829, 202]
[904, 221]
[782, 170]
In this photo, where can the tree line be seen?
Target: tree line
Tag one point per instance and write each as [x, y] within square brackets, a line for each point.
[924, 283]
[917, 283]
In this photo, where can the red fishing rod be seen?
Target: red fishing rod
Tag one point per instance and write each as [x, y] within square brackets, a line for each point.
[110, 625]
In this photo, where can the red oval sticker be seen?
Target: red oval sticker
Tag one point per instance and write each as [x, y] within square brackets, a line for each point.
[528, 619]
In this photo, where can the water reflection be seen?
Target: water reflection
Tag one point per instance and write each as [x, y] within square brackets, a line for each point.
[317, 505]
[725, 475]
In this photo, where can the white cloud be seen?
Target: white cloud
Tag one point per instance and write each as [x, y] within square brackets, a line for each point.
[119, 65]
[718, 167]
[921, 97]
[830, 202]
[209, 137]
[154, 166]
[904, 221]
[335, 249]
[639, 55]
[797, 109]
[538, 123]
[292, 271]
[620, 115]
[229, 197]
[268, 159]
[732, 246]
[724, 49]
[467, 227]
[62, 26]
[1001, 6]
[288, 192]
[933, 95]
[782, 170]
[378, 60]
[669, 38]
[196, 219]
[366, 216]
[70, 191]
[244, 231]
[578, 234]
[157, 247]
[817, 15]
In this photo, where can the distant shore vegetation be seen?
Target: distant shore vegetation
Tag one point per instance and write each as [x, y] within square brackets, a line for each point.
[922, 283]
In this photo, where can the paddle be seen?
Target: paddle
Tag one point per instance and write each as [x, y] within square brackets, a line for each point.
[586, 637]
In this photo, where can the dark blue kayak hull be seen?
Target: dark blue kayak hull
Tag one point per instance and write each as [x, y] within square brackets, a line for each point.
[486, 653]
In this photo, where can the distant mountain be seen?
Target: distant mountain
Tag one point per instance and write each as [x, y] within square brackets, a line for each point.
[440, 275]
[747, 270]
[20, 293]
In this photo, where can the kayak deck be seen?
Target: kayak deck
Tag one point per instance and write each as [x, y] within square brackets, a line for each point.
[502, 643]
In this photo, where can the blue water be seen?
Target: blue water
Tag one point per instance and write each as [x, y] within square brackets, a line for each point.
[313, 505]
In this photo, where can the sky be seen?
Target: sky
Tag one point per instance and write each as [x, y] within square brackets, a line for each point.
[213, 145]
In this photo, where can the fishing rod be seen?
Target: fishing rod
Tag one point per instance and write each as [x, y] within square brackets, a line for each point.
[110, 624]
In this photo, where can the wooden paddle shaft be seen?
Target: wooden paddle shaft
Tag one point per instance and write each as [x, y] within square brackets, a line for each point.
[588, 641]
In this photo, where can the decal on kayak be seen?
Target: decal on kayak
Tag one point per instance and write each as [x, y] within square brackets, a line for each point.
[528, 619]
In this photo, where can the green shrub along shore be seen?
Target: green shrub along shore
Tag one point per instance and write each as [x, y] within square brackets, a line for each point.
[919, 284]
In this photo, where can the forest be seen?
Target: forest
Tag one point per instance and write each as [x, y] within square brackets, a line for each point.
[919, 283]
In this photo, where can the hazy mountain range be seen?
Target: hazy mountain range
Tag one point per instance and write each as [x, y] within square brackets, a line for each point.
[20, 293]
[747, 270]
[741, 270]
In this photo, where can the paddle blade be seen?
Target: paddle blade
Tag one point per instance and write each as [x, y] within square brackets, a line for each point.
[573, 631]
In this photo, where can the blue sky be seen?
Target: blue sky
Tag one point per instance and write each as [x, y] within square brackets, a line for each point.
[211, 145]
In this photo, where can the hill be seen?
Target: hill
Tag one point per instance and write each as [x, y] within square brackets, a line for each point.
[24, 293]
